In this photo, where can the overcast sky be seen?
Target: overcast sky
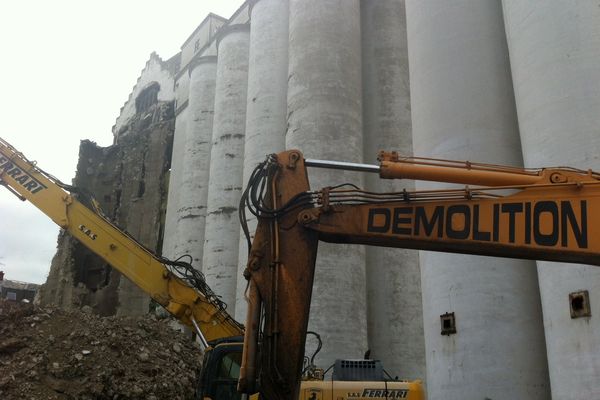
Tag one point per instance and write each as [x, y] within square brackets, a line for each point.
[67, 67]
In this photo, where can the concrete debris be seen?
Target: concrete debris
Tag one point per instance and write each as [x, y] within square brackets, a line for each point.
[176, 348]
[76, 355]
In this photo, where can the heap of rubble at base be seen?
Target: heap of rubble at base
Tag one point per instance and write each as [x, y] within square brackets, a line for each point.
[48, 353]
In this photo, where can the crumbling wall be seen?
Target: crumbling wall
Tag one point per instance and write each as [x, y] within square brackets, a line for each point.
[130, 181]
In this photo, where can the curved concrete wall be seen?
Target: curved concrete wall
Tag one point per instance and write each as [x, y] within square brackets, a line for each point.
[394, 306]
[555, 59]
[463, 108]
[266, 104]
[191, 211]
[325, 121]
[175, 179]
[227, 157]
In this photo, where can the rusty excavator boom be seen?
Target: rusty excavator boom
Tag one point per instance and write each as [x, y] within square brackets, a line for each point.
[540, 214]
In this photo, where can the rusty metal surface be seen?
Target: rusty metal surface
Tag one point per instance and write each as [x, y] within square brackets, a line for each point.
[281, 267]
[553, 219]
[544, 214]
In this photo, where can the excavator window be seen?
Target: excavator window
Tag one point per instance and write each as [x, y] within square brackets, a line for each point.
[227, 377]
[230, 366]
[221, 370]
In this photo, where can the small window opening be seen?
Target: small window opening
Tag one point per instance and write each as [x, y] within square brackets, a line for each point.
[579, 303]
[448, 322]
[147, 97]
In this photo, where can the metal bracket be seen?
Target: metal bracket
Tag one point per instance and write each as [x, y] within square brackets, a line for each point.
[293, 160]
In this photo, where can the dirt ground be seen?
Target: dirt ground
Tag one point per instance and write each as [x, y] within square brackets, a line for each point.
[53, 354]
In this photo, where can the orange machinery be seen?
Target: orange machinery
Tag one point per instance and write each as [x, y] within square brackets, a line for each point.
[543, 214]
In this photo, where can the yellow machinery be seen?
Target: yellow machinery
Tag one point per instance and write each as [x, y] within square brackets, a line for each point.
[544, 214]
[186, 296]
[198, 308]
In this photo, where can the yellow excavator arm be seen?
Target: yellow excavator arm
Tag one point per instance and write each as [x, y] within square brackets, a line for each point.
[192, 303]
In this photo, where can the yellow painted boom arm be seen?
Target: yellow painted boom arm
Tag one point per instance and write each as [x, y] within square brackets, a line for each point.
[117, 248]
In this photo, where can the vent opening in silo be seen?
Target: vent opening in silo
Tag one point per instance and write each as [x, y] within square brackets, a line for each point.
[579, 303]
[448, 322]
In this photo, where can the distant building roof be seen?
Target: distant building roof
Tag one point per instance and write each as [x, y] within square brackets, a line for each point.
[18, 285]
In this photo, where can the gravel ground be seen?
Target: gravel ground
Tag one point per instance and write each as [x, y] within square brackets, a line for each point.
[53, 354]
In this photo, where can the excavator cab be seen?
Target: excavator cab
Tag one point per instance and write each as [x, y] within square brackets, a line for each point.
[221, 370]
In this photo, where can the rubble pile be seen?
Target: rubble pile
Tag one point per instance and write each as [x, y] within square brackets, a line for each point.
[48, 353]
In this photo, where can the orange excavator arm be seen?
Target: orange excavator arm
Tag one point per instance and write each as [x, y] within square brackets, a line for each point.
[543, 214]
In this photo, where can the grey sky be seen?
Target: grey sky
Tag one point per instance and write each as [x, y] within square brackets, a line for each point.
[67, 68]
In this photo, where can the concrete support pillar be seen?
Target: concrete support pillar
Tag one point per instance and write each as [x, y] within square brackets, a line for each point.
[555, 58]
[463, 108]
[193, 191]
[222, 230]
[325, 121]
[266, 104]
[394, 306]
[175, 180]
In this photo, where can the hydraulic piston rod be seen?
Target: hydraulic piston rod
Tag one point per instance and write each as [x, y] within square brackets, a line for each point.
[437, 170]
[346, 166]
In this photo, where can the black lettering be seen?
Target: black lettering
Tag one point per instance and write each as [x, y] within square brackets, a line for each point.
[385, 212]
[37, 189]
[477, 234]
[8, 166]
[512, 209]
[30, 185]
[496, 223]
[549, 239]
[429, 224]
[464, 232]
[567, 216]
[527, 223]
[22, 179]
[401, 221]
[14, 172]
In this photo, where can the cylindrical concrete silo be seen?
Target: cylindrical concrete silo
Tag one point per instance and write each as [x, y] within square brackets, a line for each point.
[555, 58]
[266, 104]
[191, 211]
[222, 230]
[395, 310]
[463, 108]
[325, 121]
[175, 179]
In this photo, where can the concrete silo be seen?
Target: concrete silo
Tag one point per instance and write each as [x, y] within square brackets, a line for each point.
[555, 59]
[221, 238]
[463, 108]
[325, 121]
[191, 212]
[394, 306]
[170, 240]
[266, 103]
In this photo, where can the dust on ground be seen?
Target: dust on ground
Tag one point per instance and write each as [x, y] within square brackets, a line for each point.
[48, 353]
